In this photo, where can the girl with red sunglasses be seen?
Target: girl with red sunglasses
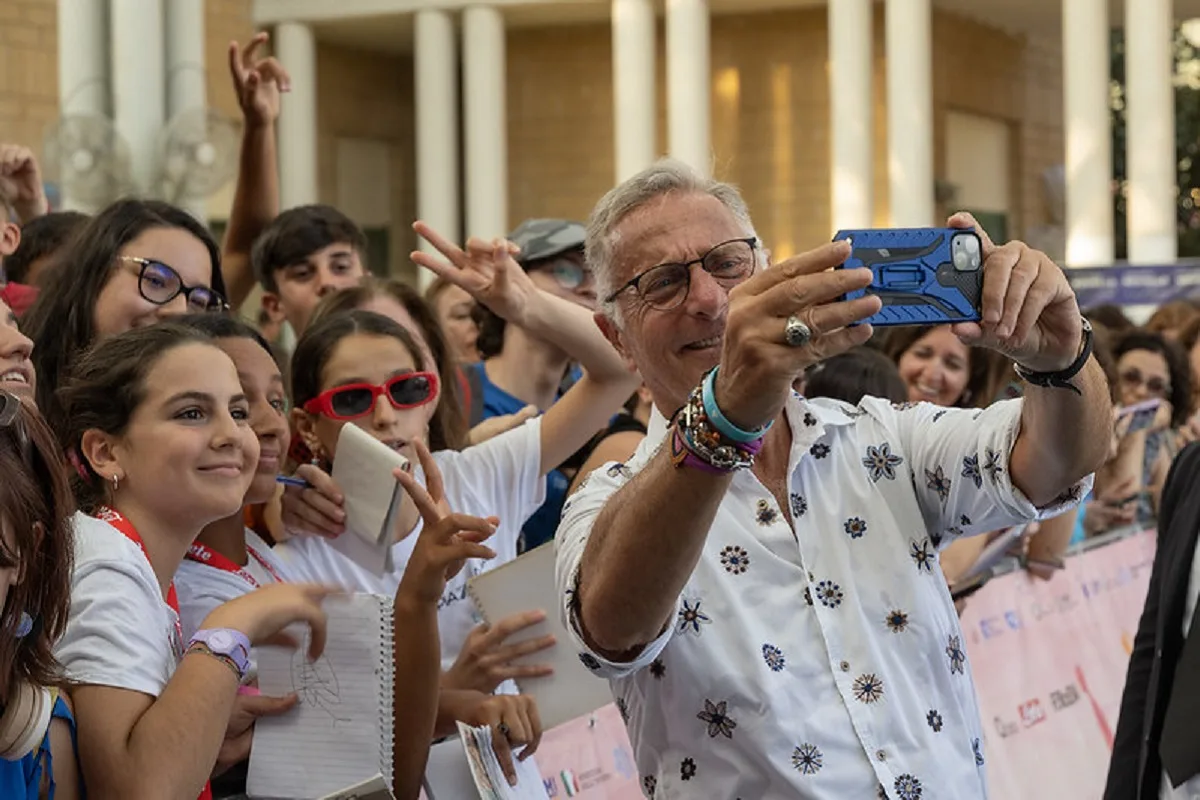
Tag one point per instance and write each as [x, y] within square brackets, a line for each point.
[363, 369]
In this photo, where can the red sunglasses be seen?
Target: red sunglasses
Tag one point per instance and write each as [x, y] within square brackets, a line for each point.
[410, 390]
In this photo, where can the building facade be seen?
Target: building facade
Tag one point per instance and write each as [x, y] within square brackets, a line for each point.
[827, 113]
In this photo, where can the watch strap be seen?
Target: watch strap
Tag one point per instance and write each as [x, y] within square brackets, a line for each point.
[1060, 379]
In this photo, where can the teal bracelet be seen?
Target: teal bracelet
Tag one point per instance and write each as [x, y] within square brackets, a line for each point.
[719, 421]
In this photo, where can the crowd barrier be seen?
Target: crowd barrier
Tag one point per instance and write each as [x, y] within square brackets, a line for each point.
[1048, 657]
[1049, 661]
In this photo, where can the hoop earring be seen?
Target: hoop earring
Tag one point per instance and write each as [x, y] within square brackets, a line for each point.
[116, 481]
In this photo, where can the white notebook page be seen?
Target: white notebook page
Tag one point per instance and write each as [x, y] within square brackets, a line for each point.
[340, 732]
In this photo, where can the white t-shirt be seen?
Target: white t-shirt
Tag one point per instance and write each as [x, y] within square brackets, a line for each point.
[497, 478]
[203, 587]
[120, 632]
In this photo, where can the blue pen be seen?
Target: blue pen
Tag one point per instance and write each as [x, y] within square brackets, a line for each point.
[288, 480]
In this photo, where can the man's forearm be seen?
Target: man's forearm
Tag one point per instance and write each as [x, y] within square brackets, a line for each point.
[1064, 436]
[643, 548]
[572, 328]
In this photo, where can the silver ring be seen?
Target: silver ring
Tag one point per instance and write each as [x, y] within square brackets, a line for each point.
[504, 729]
[796, 333]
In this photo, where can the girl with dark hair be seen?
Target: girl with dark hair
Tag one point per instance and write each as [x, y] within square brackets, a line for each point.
[133, 264]
[400, 302]
[16, 349]
[36, 725]
[155, 423]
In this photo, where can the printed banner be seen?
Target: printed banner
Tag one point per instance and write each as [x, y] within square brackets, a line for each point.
[1127, 285]
[589, 758]
[1049, 661]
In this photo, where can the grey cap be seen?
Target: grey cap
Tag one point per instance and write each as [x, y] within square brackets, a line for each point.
[545, 238]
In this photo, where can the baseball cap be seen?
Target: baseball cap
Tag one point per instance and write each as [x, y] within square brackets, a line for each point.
[545, 238]
[18, 297]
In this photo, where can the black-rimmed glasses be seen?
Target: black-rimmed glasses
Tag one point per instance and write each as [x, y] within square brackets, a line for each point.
[666, 286]
[159, 283]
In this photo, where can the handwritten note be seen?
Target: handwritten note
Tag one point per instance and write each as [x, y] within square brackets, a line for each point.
[340, 733]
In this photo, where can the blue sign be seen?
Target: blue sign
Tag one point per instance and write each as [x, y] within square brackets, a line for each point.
[1126, 285]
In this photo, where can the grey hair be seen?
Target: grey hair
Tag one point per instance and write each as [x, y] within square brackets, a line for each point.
[665, 176]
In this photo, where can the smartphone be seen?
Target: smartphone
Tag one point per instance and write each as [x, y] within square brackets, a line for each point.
[924, 276]
[1141, 415]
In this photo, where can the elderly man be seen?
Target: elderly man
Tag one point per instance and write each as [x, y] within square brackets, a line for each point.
[760, 583]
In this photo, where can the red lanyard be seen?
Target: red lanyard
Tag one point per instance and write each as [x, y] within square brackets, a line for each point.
[206, 555]
[118, 521]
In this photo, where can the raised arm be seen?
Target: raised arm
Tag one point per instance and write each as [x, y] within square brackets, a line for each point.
[124, 734]
[645, 541]
[21, 182]
[488, 271]
[1030, 315]
[257, 84]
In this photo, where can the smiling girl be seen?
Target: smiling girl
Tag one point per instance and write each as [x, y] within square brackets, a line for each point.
[155, 420]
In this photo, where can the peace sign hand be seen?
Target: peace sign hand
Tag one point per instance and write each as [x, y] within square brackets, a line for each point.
[257, 83]
[486, 270]
[447, 539]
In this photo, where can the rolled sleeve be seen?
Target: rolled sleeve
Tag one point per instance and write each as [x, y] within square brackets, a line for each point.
[960, 466]
[570, 542]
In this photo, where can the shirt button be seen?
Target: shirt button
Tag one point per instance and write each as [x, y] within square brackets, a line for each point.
[881, 755]
[845, 665]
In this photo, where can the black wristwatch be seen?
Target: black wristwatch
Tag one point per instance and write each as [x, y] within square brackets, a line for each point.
[1061, 378]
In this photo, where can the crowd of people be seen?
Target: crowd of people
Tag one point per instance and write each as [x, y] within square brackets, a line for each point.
[769, 594]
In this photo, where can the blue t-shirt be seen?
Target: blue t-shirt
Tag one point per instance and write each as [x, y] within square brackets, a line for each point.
[22, 780]
[540, 527]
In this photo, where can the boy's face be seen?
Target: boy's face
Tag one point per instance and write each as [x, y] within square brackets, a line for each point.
[303, 284]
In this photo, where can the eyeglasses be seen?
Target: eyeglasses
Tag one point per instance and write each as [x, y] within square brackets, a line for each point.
[666, 286]
[568, 272]
[354, 400]
[1154, 384]
[160, 284]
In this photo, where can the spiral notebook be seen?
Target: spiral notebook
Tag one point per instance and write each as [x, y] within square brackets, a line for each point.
[525, 584]
[340, 733]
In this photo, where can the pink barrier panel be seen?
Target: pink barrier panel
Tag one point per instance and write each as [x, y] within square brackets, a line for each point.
[589, 758]
[1049, 659]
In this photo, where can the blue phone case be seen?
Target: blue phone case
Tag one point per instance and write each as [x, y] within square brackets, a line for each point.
[915, 274]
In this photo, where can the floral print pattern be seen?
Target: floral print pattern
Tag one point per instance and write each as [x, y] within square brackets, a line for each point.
[691, 617]
[619, 470]
[774, 657]
[799, 506]
[922, 555]
[934, 720]
[971, 472]
[897, 621]
[957, 656]
[687, 769]
[765, 513]
[855, 527]
[993, 465]
[907, 787]
[819, 450]
[868, 688]
[977, 749]
[881, 462]
[808, 759]
[718, 719]
[937, 481]
[830, 594]
[735, 559]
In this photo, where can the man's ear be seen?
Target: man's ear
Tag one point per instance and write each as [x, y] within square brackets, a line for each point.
[613, 334]
[10, 238]
[99, 450]
[271, 305]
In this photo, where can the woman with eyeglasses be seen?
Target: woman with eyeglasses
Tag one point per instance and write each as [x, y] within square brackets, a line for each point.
[37, 728]
[364, 369]
[133, 264]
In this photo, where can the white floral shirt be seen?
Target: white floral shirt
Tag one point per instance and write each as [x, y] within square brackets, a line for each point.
[820, 657]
